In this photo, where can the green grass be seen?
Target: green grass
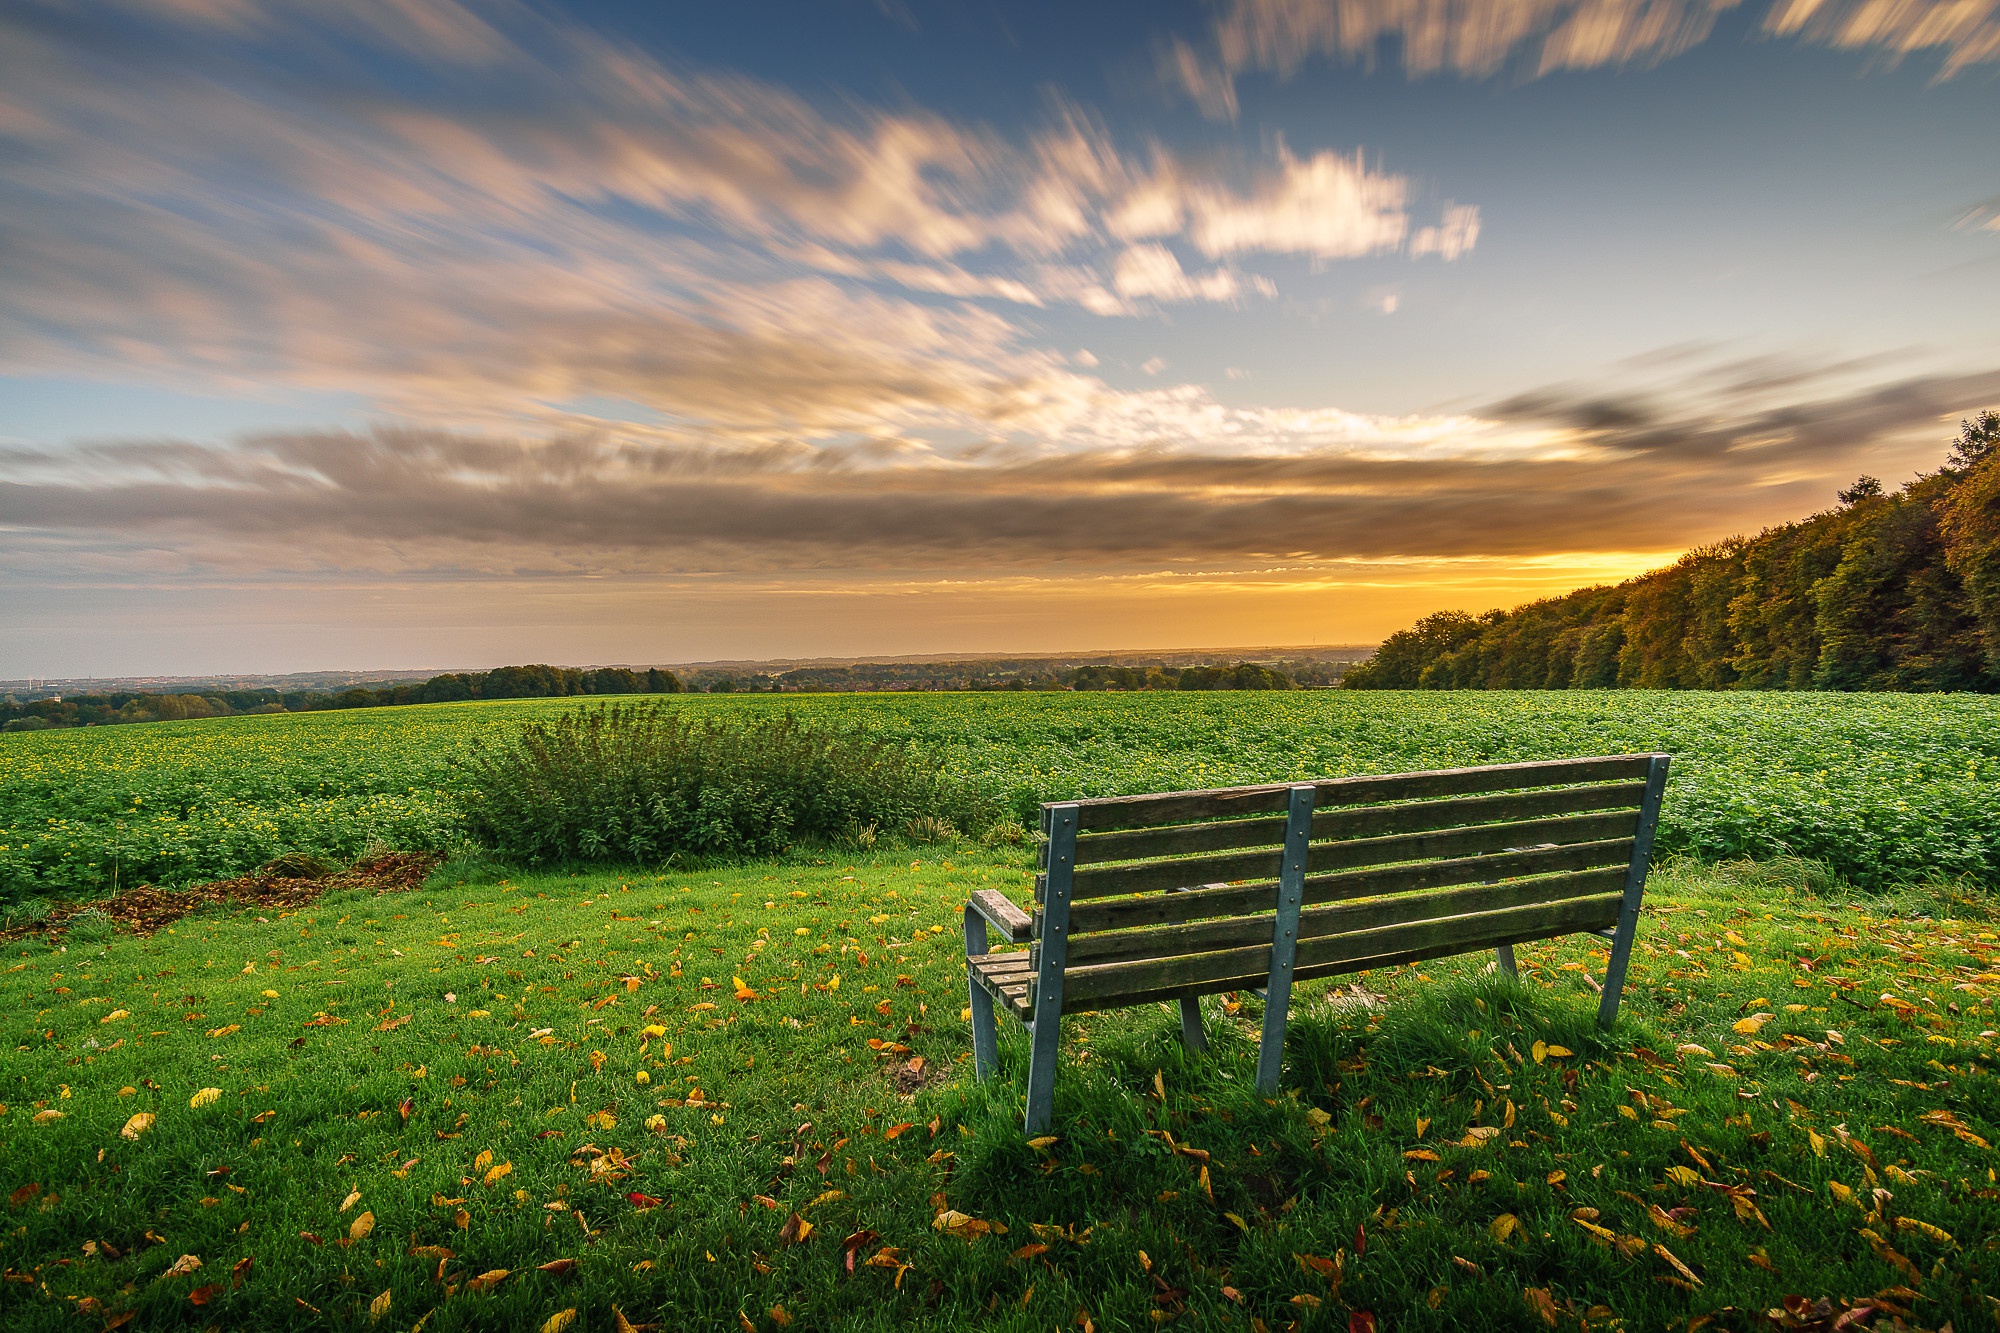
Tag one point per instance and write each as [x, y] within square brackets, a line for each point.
[799, 1109]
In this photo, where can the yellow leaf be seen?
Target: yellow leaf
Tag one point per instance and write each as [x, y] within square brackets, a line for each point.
[225, 1031]
[780, 1316]
[115, 1015]
[1317, 1116]
[1689, 1048]
[1241, 1225]
[485, 1159]
[379, 1306]
[1503, 1226]
[1423, 1123]
[1751, 1026]
[1560, 1052]
[1540, 1051]
[137, 1125]
[1659, 1217]
[1478, 1136]
[44, 1117]
[558, 1321]
[206, 1097]
[1818, 1143]
[1840, 1191]
[1679, 1267]
[494, 1173]
[1683, 1175]
[1160, 1084]
[1925, 1230]
[353, 1198]
[361, 1226]
[1042, 1142]
[1421, 1155]
[488, 1280]
[1557, 1177]
[835, 985]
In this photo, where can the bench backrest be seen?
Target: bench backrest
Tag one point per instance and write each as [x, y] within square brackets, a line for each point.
[1178, 894]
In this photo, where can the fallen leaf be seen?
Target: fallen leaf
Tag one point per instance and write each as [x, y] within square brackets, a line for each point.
[795, 1231]
[488, 1280]
[1751, 1026]
[137, 1125]
[1678, 1266]
[1503, 1226]
[205, 1293]
[495, 1172]
[558, 1321]
[240, 1271]
[361, 1226]
[353, 1198]
[206, 1097]
[557, 1267]
[379, 1306]
[182, 1266]
[1541, 1301]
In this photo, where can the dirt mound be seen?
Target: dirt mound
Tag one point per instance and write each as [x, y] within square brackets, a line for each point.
[280, 886]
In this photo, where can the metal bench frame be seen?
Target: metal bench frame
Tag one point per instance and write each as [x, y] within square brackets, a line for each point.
[1032, 985]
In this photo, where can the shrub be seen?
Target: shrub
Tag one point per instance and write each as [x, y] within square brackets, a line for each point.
[642, 782]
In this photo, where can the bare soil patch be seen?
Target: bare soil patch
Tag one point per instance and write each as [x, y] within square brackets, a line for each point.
[283, 886]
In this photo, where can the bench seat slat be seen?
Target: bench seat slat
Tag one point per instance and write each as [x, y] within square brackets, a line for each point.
[1004, 976]
[1359, 822]
[1121, 812]
[1164, 909]
[1106, 881]
[1241, 931]
[1460, 933]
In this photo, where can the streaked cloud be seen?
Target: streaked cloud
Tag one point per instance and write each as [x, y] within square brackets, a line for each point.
[1554, 470]
[1533, 38]
[579, 220]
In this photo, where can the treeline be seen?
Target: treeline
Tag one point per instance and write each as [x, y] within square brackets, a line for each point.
[1024, 674]
[1885, 592]
[513, 682]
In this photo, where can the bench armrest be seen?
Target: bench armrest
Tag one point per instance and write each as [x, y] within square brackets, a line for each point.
[1017, 926]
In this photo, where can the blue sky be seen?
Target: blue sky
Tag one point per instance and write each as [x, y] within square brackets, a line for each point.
[395, 333]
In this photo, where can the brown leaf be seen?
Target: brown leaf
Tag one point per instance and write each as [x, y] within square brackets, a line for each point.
[23, 1194]
[380, 1305]
[857, 1240]
[488, 1280]
[240, 1271]
[1540, 1300]
[205, 1293]
[557, 1267]
[362, 1225]
[795, 1231]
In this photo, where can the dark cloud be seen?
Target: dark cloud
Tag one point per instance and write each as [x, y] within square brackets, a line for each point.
[411, 499]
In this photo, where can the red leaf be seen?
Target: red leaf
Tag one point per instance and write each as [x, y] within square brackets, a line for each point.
[642, 1201]
[1361, 1321]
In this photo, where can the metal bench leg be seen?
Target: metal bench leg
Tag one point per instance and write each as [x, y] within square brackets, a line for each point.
[1047, 1030]
[1505, 959]
[1052, 955]
[1285, 940]
[985, 1041]
[1191, 1034]
[1635, 892]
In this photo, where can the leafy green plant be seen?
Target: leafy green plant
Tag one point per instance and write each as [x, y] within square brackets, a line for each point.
[640, 783]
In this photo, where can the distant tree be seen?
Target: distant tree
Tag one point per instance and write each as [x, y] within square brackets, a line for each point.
[1977, 439]
[1864, 488]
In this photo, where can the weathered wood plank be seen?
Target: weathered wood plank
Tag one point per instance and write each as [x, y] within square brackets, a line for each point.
[1356, 822]
[1461, 933]
[1320, 971]
[1242, 931]
[1106, 881]
[1119, 812]
[1161, 909]
[1009, 919]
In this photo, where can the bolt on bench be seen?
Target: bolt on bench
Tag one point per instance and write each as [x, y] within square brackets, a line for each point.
[1184, 894]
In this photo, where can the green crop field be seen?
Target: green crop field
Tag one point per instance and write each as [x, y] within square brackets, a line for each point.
[1884, 788]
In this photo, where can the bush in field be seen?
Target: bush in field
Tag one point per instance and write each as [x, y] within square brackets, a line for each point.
[641, 782]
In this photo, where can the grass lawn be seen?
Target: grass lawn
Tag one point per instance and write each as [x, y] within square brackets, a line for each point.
[516, 1101]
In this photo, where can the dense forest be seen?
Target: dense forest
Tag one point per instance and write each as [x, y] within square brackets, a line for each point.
[513, 682]
[1884, 592]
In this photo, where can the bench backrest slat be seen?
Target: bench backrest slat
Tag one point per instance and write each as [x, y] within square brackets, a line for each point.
[1119, 812]
[1178, 890]
[1160, 909]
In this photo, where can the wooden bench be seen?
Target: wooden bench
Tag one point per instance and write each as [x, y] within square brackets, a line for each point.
[1183, 894]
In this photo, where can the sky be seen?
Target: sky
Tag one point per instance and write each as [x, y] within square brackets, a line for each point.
[443, 333]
